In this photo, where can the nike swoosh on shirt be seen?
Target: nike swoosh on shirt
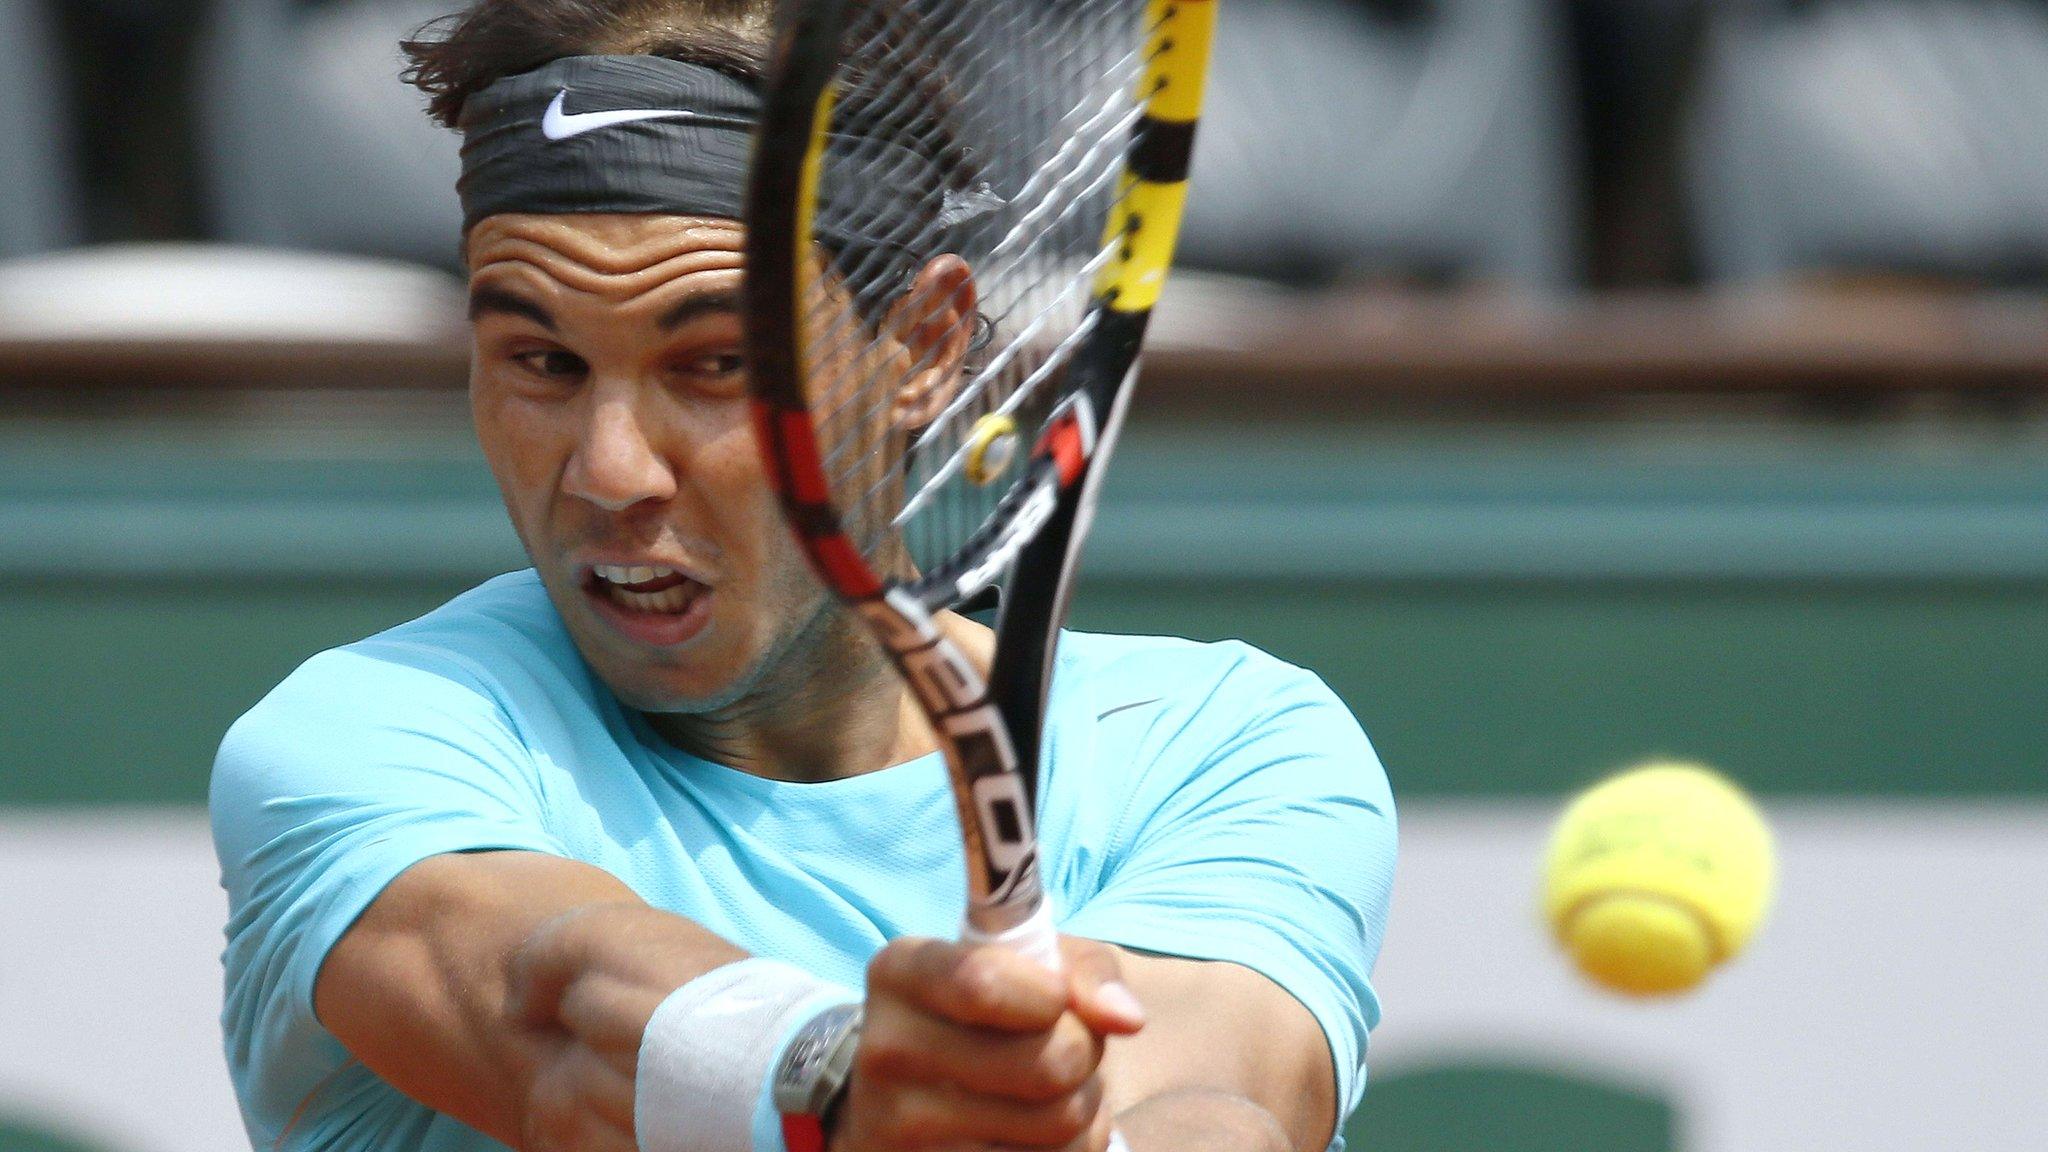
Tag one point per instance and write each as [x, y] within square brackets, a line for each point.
[555, 124]
[1126, 707]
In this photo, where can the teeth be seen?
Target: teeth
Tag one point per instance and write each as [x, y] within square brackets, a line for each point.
[639, 574]
[668, 600]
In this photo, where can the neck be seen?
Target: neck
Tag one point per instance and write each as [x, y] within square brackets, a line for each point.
[832, 707]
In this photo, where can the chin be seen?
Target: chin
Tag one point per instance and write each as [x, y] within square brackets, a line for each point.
[668, 699]
[653, 681]
[672, 681]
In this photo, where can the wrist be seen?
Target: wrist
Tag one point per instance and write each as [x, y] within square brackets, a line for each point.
[709, 1054]
[811, 1076]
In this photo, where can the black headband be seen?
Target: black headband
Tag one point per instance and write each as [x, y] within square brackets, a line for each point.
[648, 134]
[607, 134]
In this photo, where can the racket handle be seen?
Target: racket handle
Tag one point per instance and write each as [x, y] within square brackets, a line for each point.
[1037, 938]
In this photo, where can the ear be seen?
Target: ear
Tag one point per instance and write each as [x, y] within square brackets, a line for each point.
[934, 322]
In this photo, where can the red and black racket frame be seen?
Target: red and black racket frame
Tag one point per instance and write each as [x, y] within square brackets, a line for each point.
[990, 728]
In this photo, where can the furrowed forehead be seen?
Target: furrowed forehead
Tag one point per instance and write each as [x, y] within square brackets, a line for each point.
[682, 266]
[605, 245]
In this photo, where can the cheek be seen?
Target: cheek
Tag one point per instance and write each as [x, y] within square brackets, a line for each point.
[516, 441]
[734, 481]
[730, 472]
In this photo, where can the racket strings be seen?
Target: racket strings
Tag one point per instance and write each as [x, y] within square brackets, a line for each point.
[1008, 123]
[1010, 251]
[1060, 206]
[1062, 202]
[1018, 344]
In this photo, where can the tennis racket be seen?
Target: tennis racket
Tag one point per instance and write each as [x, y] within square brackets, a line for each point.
[960, 216]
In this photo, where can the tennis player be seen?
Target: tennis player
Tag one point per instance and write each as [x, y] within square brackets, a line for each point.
[646, 847]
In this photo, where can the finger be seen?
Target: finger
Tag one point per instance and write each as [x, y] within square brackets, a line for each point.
[922, 1117]
[901, 1045]
[984, 985]
[1097, 992]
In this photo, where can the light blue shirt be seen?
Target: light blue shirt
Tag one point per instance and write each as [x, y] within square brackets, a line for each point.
[1199, 800]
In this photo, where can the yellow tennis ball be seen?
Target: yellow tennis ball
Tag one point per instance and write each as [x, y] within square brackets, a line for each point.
[1656, 876]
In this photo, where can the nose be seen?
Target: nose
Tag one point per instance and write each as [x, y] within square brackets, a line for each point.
[618, 460]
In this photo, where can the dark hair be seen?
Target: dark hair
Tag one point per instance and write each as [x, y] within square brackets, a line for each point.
[457, 56]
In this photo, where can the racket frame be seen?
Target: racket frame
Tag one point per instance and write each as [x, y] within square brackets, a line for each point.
[989, 729]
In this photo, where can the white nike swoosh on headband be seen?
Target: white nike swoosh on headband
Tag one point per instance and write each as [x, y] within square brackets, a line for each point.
[556, 124]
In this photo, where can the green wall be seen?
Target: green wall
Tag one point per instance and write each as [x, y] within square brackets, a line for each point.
[1509, 609]
[1485, 1106]
[21, 1136]
[121, 688]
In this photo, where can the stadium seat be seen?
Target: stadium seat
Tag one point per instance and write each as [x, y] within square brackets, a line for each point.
[1344, 137]
[1873, 136]
[37, 210]
[1423, 139]
[311, 140]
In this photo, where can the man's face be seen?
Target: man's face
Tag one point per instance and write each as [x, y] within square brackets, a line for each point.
[610, 398]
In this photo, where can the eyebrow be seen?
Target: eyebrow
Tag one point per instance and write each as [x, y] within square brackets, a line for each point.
[484, 300]
[702, 304]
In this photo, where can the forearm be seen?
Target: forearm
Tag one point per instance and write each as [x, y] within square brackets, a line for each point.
[1201, 1120]
[509, 991]
[1224, 1050]
[584, 989]
[595, 973]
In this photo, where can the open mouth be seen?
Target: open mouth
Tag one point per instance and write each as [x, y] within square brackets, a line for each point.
[645, 589]
[652, 604]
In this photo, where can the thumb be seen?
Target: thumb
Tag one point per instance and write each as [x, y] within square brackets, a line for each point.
[1096, 989]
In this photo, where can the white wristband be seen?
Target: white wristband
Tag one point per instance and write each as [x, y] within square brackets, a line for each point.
[710, 1048]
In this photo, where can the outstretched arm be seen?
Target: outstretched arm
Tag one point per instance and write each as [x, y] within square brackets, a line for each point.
[510, 990]
[513, 990]
[1228, 1062]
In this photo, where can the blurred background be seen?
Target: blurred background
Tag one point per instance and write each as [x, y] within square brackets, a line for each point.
[1567, 381]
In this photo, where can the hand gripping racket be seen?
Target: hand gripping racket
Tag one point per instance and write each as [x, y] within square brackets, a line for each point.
[961, 213]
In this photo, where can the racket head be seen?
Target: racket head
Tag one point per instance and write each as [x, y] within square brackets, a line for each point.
[960, 216]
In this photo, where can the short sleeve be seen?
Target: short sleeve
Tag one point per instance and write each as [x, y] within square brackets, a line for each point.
[362, 763]
[1261, 832]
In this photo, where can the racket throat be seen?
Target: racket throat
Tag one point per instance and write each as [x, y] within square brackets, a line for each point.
[1034, 610]
[997, 820]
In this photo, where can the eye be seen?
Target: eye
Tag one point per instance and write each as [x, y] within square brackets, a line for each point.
[722, 369]
[552, 364]
[716, 363]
